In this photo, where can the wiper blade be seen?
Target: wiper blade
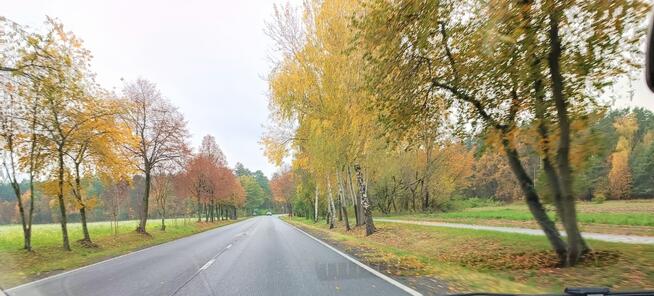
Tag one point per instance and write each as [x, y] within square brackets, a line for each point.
[501, 294]
[569, 292]
[587, 291]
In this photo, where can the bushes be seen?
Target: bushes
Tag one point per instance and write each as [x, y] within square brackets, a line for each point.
[599, 198]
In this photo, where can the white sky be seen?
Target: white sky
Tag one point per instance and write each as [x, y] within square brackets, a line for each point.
[208, 57]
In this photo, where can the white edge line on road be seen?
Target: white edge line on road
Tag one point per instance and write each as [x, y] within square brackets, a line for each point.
[114, 258]
[366, 267]
[228, 246]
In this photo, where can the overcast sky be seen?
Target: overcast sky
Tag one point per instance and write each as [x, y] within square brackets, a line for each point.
[208, 57]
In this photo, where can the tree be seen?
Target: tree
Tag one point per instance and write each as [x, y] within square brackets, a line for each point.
[241, 170]
[318, 99]
[161, 132]
[42, 69]
[161, 191]
[65, 104]
[620, 180]
[254, 195]
[196, 180]
[212, 151]
[264, 183]
[282, 186]
[115, 196]
[424, 60]
[94, 149]
[211, 183]
[10, 127]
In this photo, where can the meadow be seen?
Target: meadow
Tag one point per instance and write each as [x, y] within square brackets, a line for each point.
[634, 217]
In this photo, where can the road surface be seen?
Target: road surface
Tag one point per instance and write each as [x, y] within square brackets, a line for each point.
[614, 238]
[258, 256]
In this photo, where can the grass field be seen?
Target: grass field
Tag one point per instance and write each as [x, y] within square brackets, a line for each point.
[472, 260]
[48, 257]
[623, 217]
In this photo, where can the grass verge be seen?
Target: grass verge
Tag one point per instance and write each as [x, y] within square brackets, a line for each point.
[629, 217]
[48, 257]
[473, 260]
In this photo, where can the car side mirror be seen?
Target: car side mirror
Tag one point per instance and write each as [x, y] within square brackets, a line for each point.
[649, 55]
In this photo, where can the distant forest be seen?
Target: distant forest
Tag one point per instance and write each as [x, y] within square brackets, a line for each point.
[617, 163]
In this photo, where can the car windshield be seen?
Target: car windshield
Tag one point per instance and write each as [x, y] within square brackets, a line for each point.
[326, 147]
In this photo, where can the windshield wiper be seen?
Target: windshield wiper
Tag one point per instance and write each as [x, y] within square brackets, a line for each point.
[570, 292]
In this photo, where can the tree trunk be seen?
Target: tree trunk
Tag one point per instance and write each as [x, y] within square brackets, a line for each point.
[576, 244]
[341, 196]
[540, 115]
[146, 200]
[32, 169]
[60, 198]
[533, 201]
[85, 228]
[425, 202]
[163, 213]
[315, 207]
[82, 209]
[330, 204]
[211, 210]
[427, 176]
[115, 224]
[11, 174]
[356, 201]
[21, 211]
[365, 202]
[340, 213]
[28, 234]
[199, 209]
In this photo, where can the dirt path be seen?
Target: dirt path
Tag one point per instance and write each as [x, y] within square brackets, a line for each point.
[615, 238]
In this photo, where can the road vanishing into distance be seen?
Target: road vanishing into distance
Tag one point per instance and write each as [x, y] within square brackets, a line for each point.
[257, 256]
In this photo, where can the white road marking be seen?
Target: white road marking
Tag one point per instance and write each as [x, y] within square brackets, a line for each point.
[366, 267]
[206, 265]
[124, 255]
[228, 246]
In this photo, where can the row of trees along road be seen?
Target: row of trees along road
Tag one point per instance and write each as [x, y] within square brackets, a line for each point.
[363, 88]
[74, 141]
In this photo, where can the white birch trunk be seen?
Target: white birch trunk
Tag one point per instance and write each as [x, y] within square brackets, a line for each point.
[315, 207]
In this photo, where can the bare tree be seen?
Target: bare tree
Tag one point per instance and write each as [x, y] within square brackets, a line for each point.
[162, 190]
[160, 130]
[116, 196]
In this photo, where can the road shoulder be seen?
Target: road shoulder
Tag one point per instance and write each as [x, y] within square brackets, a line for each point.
[396, 271]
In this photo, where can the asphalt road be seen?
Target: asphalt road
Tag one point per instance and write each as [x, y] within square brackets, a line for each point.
[258, 256]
